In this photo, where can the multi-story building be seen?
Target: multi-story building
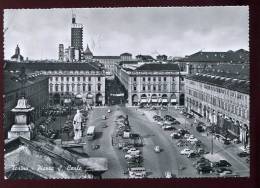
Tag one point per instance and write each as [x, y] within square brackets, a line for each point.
[75, 51]
[150, 83]
[107, 61]
[35, 90]
[221, 96]
[199, 61]
[70, 80]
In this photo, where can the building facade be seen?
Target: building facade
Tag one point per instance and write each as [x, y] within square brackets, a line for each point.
[222, 98]
[150, 83]
[85, 81]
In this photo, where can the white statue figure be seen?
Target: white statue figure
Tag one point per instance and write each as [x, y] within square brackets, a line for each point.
[77, 123]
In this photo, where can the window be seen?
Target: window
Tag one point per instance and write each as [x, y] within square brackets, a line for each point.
[89, 79]
[56, 78]
[159, 79]
[78, 88]
[165, 86]
[72, 87]
[84, 78]
[84, 87]
[99, 79]
[159, 88]
[164, 78]
[134, 88]
[51, 88]
[144, 79]
[149, 87]
[56, 88]
[68, 79]
[99, 87]
[149, 79]
[67, 88]
[154, 87]
[50, 78]
[61, 88]
[78, 78]
[62, 78]
[72, 79]
[154, 79]
[89, 87]
[134, 79]
[143, 88]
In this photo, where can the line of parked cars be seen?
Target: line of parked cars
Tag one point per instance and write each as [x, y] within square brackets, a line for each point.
[167, 122]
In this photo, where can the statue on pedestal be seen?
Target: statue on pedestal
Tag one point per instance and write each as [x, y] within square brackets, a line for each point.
[77, 126]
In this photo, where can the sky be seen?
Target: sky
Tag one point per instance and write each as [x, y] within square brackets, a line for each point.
[174, 31]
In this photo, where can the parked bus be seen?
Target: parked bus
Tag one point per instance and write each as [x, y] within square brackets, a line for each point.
[91, 132]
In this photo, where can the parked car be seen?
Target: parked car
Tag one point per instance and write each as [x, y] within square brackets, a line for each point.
[182, 132]
[192, 139]
[160, 123]
[223, 169]
[222, 163]
[126, 148]
[186, 136]
[129, 156]
[193, 155]
[204, 169]
[243, 154]
[168, 127]
[182, 143]
[157, 149]
[186, 151]
[175, 135]
[175, 122]
[225, 173]
[227, 142]
[200, 128]
[134, 152]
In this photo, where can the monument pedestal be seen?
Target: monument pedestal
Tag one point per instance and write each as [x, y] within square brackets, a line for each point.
[20, 130]
[23, 120]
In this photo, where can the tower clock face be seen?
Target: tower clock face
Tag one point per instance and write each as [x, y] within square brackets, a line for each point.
[20, 119]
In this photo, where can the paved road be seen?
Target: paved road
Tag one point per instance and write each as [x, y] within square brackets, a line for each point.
[103, 138]
[156, 163]
[228, 152]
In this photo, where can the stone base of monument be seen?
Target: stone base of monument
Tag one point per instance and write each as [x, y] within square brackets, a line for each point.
[20, 130]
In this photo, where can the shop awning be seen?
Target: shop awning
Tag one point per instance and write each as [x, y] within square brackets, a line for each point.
[164, 100]
[143, 101]
[154, 100]
[89, 96]
[79, 96]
